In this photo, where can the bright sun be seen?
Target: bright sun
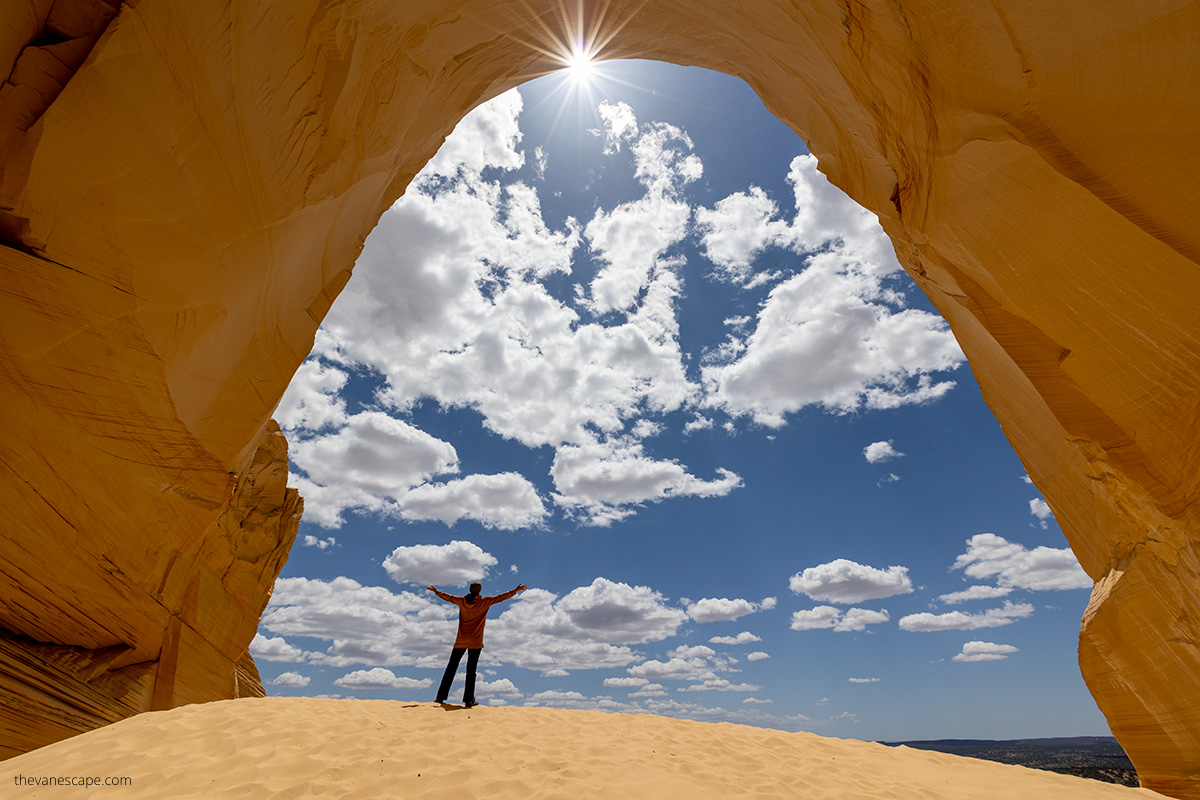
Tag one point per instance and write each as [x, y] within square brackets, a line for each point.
[579, 64]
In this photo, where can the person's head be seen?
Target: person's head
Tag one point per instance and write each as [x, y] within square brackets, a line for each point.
[476, 587]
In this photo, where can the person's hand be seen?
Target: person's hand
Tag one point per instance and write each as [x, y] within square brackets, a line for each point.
[430, 588]
[522, 588]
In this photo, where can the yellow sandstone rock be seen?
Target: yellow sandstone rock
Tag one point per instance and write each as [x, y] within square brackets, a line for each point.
[184, 187]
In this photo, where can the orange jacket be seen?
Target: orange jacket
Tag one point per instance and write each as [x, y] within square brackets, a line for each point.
[472, 616]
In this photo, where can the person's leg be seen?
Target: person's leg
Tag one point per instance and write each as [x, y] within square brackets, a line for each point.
[448, 678]
[469, 689]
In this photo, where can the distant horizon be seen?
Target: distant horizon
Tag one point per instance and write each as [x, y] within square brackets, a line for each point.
[1108, 737]
[623, 342]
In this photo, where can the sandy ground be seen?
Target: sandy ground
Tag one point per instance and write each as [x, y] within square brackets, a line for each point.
[283, 748]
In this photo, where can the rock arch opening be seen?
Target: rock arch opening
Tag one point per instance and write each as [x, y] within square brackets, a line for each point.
[534, 339]
[182, 209]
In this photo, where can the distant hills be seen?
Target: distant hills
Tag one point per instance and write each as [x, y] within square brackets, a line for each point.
[1097, 757]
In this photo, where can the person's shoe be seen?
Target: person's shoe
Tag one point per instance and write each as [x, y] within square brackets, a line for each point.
[470, 704]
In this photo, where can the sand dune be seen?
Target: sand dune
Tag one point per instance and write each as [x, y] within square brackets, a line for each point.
[285, 748]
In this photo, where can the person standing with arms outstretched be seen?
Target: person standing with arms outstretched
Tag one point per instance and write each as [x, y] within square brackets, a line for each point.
[472, 616]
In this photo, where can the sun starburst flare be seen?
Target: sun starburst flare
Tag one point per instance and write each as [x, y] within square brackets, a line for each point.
[574, 43]
[580, 63]
[576, 40]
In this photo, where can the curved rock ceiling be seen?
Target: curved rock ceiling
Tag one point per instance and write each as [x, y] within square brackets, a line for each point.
[184, 187]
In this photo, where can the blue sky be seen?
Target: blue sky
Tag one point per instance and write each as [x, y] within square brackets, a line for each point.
[622, 342]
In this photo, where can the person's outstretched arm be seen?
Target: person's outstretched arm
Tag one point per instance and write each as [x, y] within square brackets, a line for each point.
[500, 598]
[449, 598]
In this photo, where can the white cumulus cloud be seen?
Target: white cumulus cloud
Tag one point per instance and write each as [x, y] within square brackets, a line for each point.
[745, 637]
[985, 651]
[455, 564]
[367, 625]
[633, 239]
[692, 651]
[487, 137]
[717, 684]
[827, 337]
[720, 609]
[845, 581]
[743, 224]
[591, 627]
[380, 678]
[291, 679]
[321, 544]
[604, 482]
[977, 592]
[857, 619]
[833, 335]
[1041, 509]
[369, 463]
[620, 125]
[1012, 565]
[502, 687]
[960, 621]
[815, 618]
[738, 228]
[614, 612]
[877, 452]
[821, 617]
[562, 699]
[678, 669]
[274, 649]
[312, 400]
[376, 454]
[506, 500]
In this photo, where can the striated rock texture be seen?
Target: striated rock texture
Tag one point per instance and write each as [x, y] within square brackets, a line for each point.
[184, 187]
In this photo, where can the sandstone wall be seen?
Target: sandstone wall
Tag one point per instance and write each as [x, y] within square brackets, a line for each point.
[184, 187]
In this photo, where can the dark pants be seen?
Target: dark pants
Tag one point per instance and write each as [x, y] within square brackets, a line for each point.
[455, 657]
